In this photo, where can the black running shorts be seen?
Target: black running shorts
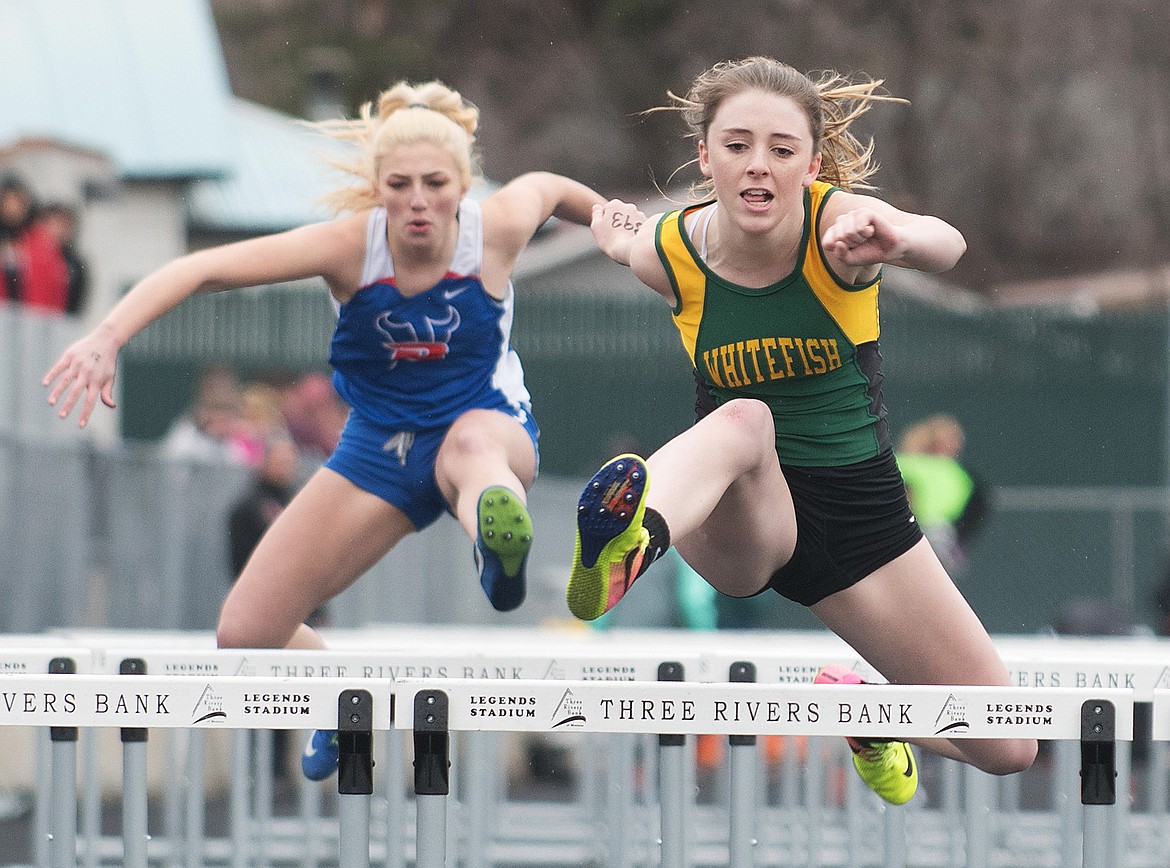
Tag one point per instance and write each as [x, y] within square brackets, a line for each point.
[849, 521]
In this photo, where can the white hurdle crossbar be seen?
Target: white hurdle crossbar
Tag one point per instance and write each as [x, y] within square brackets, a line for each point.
[442, 656]
[1137, 664]
[67, 702]
[1095, 718]
[194, 659]
[622, 667]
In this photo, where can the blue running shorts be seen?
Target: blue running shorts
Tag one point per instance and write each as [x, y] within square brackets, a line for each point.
[399, 466]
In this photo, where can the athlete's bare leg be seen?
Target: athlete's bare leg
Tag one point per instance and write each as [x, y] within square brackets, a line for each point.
[911, 623]
[719, 487]
[326, 538]
[483, 448]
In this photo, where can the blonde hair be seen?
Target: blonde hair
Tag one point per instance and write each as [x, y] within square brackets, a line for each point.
[830, 101]
[405, 113]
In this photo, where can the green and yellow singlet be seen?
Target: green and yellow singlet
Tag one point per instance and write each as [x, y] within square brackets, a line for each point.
[807, 345]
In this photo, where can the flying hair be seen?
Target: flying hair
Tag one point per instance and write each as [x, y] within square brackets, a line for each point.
[404, 113]
[830, 101]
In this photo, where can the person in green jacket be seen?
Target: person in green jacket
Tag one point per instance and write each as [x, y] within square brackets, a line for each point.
[947, 499]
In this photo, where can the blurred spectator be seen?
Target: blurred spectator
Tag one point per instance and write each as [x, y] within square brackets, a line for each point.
[314, 414]
[273, 486]
[214, 428]
[61, 222]
[262, 420]
[948, 500]
[275, 482]
[34, 272]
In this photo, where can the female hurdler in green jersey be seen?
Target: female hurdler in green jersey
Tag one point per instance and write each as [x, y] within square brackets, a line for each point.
[787, 481]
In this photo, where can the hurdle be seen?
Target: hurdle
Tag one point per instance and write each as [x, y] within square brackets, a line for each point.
[438, 652]
[637, 830]
[67, 702]
[1136, 664]
[1140, 665]
[54, 809]
[432, 709]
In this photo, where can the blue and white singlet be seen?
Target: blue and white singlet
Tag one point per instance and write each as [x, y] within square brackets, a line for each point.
[418, 363]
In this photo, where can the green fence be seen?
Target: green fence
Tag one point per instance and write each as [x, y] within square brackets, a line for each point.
[1046, 398]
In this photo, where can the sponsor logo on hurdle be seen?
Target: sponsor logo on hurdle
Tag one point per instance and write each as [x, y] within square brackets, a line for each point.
[208, 708]
[1163, 681]
[747, 711]
[795, 673]
[391, 671]
[495, 705]
[569, 713]
[273, 704]
[952, 717]
[1018, 714]
[1117, 678]
[188, 667]
[609, 672]
[554, 672]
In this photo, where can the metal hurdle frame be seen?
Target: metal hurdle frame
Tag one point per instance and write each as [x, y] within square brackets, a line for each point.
[54, 809]
[510, 654]
[1160, 732]
[1139, 665]
[1097, 719]
[1135, 667]
[432, 709]
[70, 701]
[1136, 664]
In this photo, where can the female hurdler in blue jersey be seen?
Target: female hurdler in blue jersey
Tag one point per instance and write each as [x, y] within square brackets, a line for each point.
[787, 481]
[440, 420]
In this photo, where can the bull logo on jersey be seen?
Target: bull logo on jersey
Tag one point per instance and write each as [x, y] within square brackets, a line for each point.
[427, 341]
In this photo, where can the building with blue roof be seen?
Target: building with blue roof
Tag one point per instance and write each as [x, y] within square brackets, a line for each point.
[140, 81]
[123, 110]
[125, 106]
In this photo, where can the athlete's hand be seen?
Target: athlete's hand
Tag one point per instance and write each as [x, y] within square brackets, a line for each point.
[614, 226]
[863, 237]
[86, 369]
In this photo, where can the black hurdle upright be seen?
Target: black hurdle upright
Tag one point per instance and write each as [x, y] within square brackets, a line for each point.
[742, 762]
[134, 783]
[63, 804]
[672, 788]
[355, 776]
[432, 785]
[1098, 780]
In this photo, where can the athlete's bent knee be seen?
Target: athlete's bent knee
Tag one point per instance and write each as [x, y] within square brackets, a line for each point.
[1010, 757]
[465, 440]
[751, 422]
[239, 630]
[228, 635]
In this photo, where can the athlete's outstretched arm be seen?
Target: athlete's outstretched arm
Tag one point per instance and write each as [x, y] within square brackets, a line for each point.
[85, 371]
[626, 235]
[522, 205]
[864, 231]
